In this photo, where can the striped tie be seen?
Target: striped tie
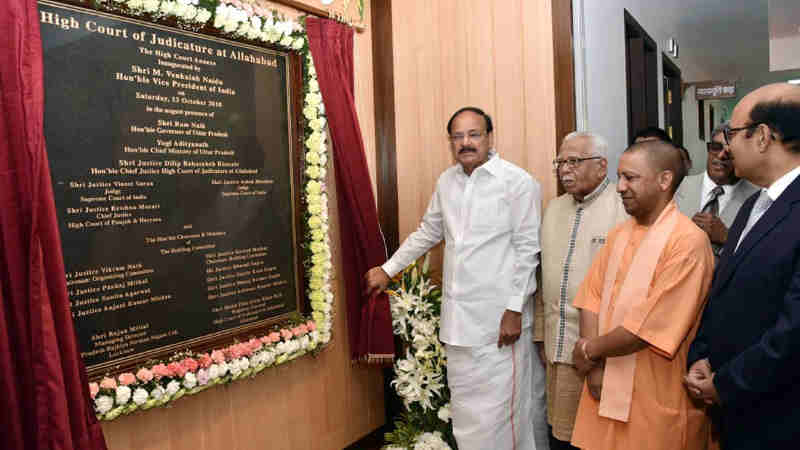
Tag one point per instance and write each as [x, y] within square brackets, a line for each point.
[712, 206]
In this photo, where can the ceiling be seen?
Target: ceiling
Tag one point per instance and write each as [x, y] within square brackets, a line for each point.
[718, 39]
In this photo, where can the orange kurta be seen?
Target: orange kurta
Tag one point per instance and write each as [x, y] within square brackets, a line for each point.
[662, 416]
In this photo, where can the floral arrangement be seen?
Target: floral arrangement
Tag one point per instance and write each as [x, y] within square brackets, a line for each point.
[186, 374]
[420, 377]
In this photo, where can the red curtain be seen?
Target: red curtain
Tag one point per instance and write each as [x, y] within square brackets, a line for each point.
[44, 398]
[369, 319]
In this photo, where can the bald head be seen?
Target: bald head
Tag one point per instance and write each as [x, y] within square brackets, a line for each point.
[663, 156]
[773, 92]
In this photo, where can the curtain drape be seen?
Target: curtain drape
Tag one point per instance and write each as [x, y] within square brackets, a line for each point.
[363, 247]
[43, 386]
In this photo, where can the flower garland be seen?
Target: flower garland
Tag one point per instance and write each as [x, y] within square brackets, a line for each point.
[185, 373]
[420, 377]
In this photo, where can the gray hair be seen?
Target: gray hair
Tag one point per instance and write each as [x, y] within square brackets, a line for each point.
[719, 129]
[599, 143]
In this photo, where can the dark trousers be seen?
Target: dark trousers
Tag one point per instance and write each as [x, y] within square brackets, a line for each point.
[555, 444]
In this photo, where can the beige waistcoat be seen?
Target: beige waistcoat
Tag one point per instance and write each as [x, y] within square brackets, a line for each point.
[601, 211]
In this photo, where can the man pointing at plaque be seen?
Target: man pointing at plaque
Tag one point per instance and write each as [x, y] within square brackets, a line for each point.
[487, 212]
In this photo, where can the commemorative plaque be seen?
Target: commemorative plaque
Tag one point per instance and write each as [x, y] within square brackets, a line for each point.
[174, 166]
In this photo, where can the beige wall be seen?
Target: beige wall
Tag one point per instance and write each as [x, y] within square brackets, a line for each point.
[494, 54]
[312, 403]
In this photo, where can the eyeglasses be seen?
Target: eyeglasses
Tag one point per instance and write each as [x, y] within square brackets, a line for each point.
[473, 136]
[572, 162]
[729, 132]
[714, 147]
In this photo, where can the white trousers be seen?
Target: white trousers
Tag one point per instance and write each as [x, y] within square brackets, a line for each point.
[497, 396]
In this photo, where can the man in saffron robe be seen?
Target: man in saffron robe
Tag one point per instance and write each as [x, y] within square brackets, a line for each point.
[648, 287]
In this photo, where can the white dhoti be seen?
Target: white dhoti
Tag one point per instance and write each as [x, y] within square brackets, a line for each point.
[497, 396]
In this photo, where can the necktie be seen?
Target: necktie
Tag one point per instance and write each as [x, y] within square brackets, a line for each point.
[712, 206]
[763, 203]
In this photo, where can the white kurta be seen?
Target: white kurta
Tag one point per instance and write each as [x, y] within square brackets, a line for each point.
[490, 224]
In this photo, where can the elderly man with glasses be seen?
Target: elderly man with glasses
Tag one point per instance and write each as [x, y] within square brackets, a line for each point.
[713, 198]
[574, 228]
[486, 210]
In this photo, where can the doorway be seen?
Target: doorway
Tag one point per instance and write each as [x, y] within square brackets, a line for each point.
[641, 68]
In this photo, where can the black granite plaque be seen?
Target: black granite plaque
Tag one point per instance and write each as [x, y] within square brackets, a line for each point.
[172, 167]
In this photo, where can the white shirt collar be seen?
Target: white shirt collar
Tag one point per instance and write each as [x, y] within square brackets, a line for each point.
[709, 185]
[778, 186]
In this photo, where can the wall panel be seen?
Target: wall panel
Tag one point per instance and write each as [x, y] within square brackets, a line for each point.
[495, 54]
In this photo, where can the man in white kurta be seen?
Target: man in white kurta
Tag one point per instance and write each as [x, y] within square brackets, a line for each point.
[487, 212]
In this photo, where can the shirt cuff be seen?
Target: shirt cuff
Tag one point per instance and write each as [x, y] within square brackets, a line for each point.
[515, 303]
[391, 268]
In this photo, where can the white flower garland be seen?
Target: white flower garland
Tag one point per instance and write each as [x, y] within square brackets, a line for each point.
[160, 384]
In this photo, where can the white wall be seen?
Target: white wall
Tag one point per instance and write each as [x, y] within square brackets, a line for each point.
[691, 130]
[722, 111]
[604, 52]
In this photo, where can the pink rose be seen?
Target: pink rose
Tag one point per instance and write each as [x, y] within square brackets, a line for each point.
[205, 360]
[303, 328]
[177, 369]
[297, 331]
[274, 337]
[218, 357]
[286, 334]
[234, 351]
[311, 325]
[190, 364]
[126, 378]
[244, 349]
[93, 389]
[254, 344]
[144, 375]
[265, 339]
[108, 383]
[160, 370]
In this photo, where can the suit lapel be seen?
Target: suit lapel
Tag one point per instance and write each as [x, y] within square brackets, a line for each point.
[688, 195]
[723, 270]
[774, 215]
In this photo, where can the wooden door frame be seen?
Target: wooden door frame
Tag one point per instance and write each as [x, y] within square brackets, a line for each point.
[671, 70]
[649, 69]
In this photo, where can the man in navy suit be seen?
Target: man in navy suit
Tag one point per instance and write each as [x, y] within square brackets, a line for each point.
[745, 359]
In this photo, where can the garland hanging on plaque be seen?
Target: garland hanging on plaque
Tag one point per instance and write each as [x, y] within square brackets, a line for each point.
[161, 382]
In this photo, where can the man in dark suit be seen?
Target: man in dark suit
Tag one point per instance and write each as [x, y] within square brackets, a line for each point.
[713, 198]
[745, 359]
